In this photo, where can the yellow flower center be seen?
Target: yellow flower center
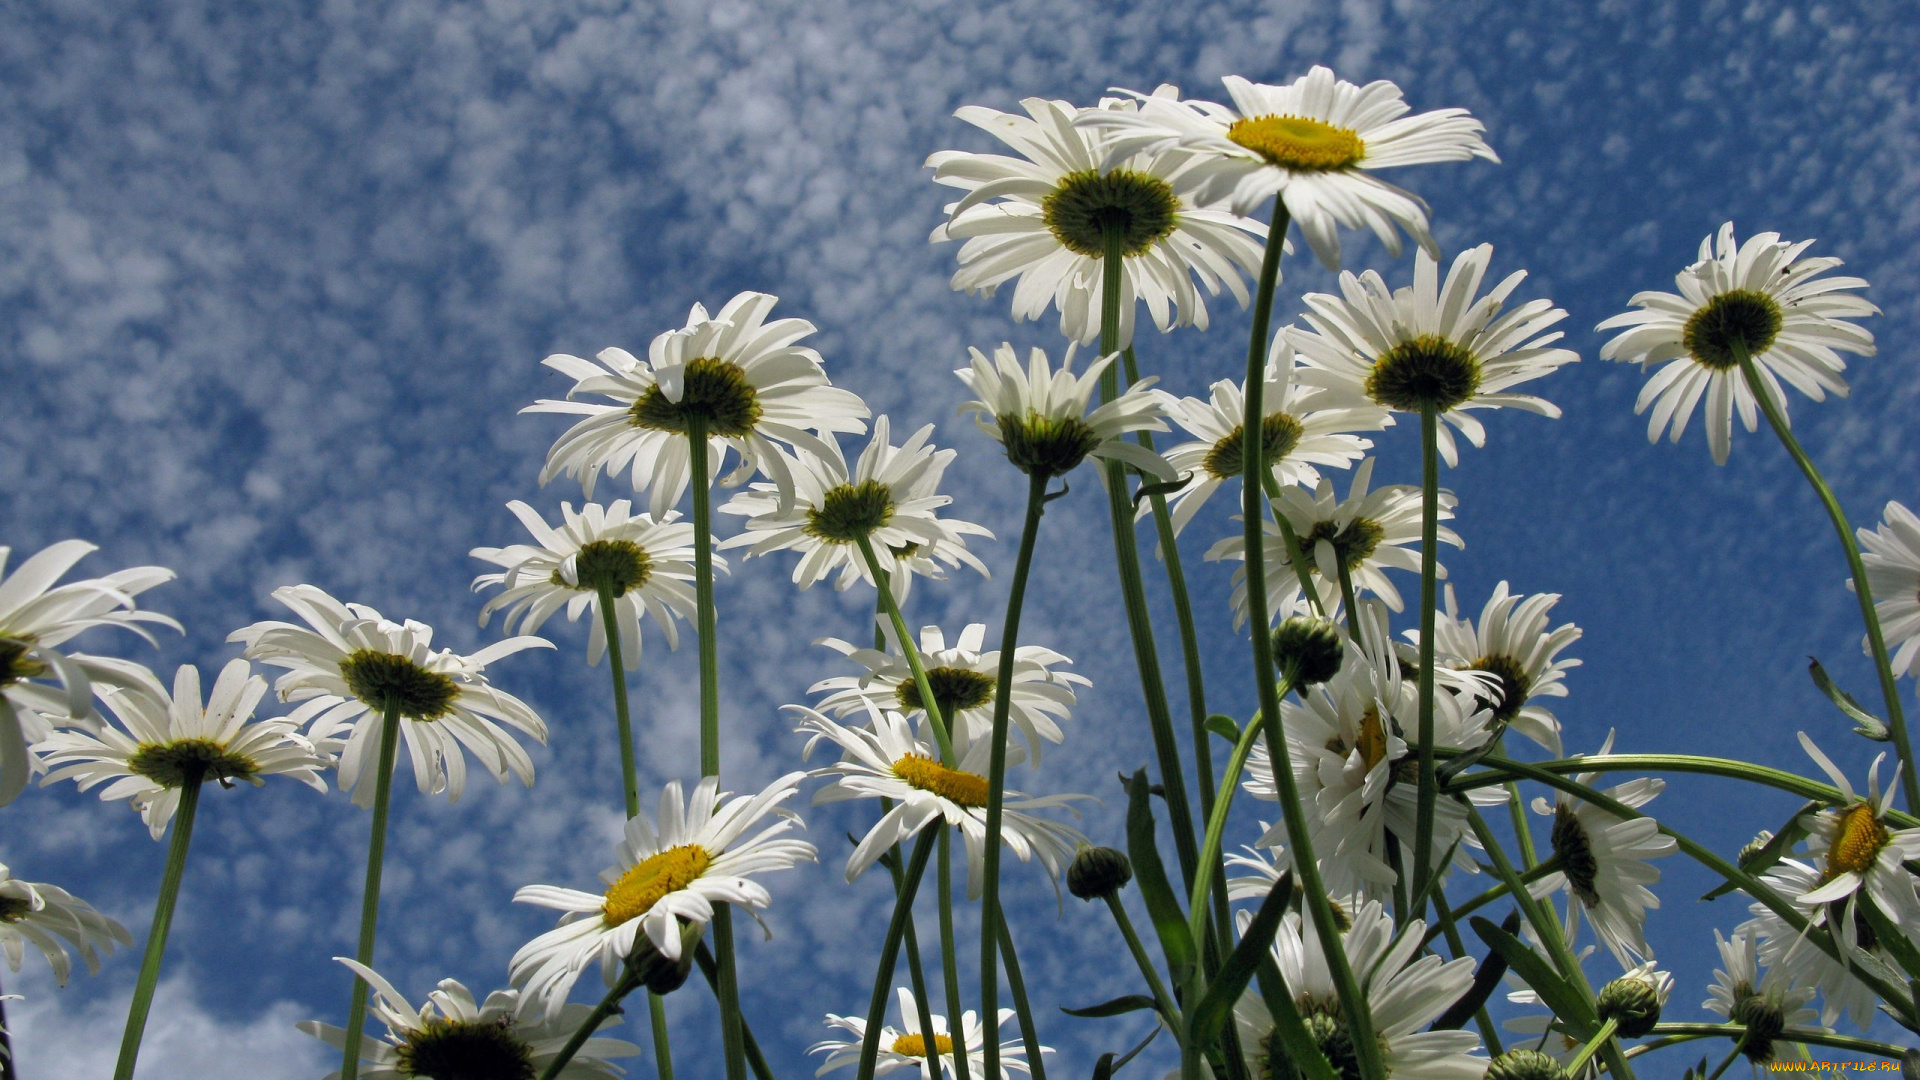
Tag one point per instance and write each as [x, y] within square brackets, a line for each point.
[642, 886]
[1373, 738]
[1855, 843]
[1296, 142]
[915, 1046]
[963, 788]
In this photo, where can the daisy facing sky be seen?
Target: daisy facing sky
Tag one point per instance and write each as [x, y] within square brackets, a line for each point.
[1040, 414]
[905, 1047]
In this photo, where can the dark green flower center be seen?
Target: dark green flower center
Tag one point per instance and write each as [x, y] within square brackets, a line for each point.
[851, 512]
[1328, 1029]
[715, 390]
[1047, 445]
[189, 761]
[1764, 1022]
[377, 678]
[1577, 861]
[16, 663]
[1352, 543]
[954, 688]
[1426, 371]
[1743, 318]
[14, 908]
[618, 564]
[1279, 434]
[1514, 685]
[1139, 209]
[444, 1049]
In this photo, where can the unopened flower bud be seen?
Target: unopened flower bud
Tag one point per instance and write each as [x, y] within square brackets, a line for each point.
[1764, 1023]
[1633, 1001]
[657, 973]
[1525, 1064]
[1755, 846]
[1311, 647]
[1098, 872]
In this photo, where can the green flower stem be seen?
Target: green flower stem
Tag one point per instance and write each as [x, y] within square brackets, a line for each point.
[1738, 1045]
[1889, 686]
[370, 897]
[1449, 925]
[890, 950]
[6, 1047]
[911, 650]
[1217, 821]
[162, 921]
[1168, 1010]
[1429, 571]
[1296, 555]
[1354, 629]
[949, 955]
[990, 914]
[627, 984]
[1133, 591]
[1024, 1011]
[1526, 878]
[1600, 1038]
[923, 1004]
[1672, 1034]
[662, 1050]
[710, 970]
[1353, 1004]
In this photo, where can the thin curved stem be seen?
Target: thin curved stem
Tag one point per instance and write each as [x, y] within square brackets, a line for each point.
[949, 955]
[626, 984]
[1168, 1010]
[1429, 571]
[1600, 1039]
[1688, 1032]
[370, 895]
[1022, 1009]
[162, 922]
[923, 1004]
[1527, 877]
[890, 950]
[1296, 554]
[1217, 821]
[911, 651]
[1876, 640]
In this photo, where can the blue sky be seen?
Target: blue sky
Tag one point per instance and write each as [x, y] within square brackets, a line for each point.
[275, 284]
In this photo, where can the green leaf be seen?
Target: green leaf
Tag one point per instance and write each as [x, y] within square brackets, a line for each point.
[1224, 727]
[1216, 1005]
[1163, 487]
[1169, 922]
[1893, 938]
[1865, 722]
[1108, 1065]
[1568, 1005]
[1486, 979]
[1125, 1004]
[1761, 861]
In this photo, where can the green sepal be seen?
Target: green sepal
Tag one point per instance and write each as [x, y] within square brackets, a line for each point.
[1206, 1019]
[1865, 723]
[1569, 1006]
[1117, 1007]
[1169, 922]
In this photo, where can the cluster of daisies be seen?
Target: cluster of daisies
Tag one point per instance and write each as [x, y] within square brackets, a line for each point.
[1140, 199]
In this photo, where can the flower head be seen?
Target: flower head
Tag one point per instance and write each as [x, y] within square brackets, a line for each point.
[1514, 645]
[168, 744]
[1750, 300]
[51, 918]
[1858, 856]
[1040, 415]
[1765, 1005]
[1045, 217]
[348, 665]
[905, 1047]
[1604, 862]
[1892, 559]
[747, 381]
[1315, 142]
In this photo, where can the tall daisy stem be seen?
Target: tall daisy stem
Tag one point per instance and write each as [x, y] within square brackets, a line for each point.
[1862, 592]
[370, 895]
[915, 976]
[911, 651]
[627, 984]
[1169, 1011]
[1429, 571]
[1021, 1008]
[949, 953]
[1600, 1039]
[890, 949]
[1296, 554]
[1217, 822]
[990, 915]
[1353, 1005]
[162, 922]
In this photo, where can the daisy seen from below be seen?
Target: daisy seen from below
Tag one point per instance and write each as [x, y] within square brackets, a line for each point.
[1859, 855]
[703, 850]
[905, 1047]
[1405, 992]
[1314, 142]
[1369, 532]
[885, 760]
[1514, 644]
[348, 664]
[1765, 1005]
[1758, 299]
[1305, 429]
[1040, 415]
[1604, 862]
[1045, 217]
[645, 564]
[888, 500]
[50, 919]
[1892, 559]
[963, 677]
[1435, 345]
[1800, 961]
[35, 616]
[163, 745]
[747, 382]
[452, 1034]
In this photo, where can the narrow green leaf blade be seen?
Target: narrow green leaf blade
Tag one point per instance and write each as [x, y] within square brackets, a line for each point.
[1567, 1003]
[1865, 723]
[1216, 1005]
[1169, 922]
[1124, 1004]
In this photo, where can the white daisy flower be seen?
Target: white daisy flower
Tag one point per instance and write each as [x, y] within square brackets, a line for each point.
[1315, 141]
[1514, 645]
[645, 563]
[1043, 216]
[888, 498]
[1765, 1005]
[1304, 427]
[885, 760]
[698, 855]
[963, 678]
[747, 379]
[51, 918]
[1434, 344]
[1040, 415]
[1749, 297]
[1800, 961]
[452, 1034]
[1604, 862]
[352, 663]
[1859, 854]
[1405, 992]
[36, 616]
[169, 743]
[905, 1047]
[1370, 531]
[1892, 559]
